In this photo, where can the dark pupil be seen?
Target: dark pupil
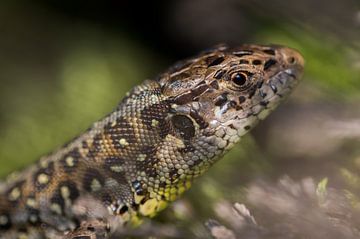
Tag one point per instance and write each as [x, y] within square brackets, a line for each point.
[239, 79]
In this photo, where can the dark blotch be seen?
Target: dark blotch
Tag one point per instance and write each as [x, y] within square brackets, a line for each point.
[173, 175]
[199, 90]
[214, 85]
[214, 62]
[123, 209]
[247, 127]
[75, 155]
[90, 228]
[33, 216]
[242, 99]
[273, 87]
[8, 224]
[183, 126]
[148, 165]
[269, 64]
[49, 170]
[269, 51]
[256, 62]
[260, 83]
[221, 99]
[262, 93]
[252, 92]
[89, 176]
[264, 103]
[138, 188]
[244, 62]
[184, 98]
[156, 112]
[57, 199]
[73, 190]
[199, 120]
[219, 74]
[120, 130]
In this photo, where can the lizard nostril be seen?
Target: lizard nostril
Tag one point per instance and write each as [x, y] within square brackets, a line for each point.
[292, 60]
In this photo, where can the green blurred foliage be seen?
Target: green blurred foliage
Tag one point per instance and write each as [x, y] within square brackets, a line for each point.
[329, 63]
[93, 73]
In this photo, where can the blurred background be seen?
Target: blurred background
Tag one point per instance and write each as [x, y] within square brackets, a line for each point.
[65, 64]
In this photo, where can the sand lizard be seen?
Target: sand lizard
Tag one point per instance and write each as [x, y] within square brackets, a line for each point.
[146, 153]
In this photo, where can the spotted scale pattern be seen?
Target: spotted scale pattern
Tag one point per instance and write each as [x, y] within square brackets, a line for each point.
[147, 152]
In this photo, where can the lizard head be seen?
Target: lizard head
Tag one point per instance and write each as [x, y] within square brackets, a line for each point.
[225, 91]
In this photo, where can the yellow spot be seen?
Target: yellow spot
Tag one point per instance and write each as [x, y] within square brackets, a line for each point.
[65, 192]
[14, 194]
[149, 207]
[154, 123]
[69, 161]
[181, 190]
[43, 178]
[123, 142]
[55, 208]
[141, 157]
[95, 185]
[31, 202]
[117, 168]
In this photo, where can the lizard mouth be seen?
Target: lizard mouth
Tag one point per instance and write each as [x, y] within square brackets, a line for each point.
[277, 88]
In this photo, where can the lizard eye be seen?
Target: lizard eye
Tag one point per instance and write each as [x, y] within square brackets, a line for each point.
[239, 78]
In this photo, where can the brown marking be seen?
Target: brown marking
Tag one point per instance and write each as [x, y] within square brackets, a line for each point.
[156, 113]
[149, 162]
[121, 134]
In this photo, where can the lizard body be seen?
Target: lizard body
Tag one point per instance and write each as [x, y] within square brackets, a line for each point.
[147, 152]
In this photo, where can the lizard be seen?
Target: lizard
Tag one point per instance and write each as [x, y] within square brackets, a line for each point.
[166, 132]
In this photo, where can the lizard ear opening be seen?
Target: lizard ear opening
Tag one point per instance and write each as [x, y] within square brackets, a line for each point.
[183, 126]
